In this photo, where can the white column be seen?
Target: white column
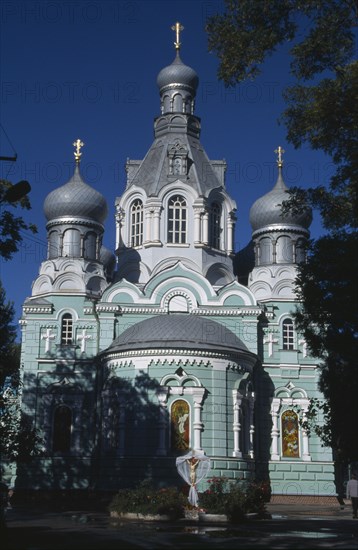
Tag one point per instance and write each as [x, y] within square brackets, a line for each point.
[197, 232]
[252, 425]
[230, 233]
[305, 447]
[236, 426]
[148, 225]
[275, 406]
[162, 395]
[156, 223]
[205, 233]
[121, 423]
[198, 394]
[119, 217]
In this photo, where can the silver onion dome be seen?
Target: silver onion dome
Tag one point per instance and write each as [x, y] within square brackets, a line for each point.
[178, 74]
[267, 210]
[76, 199]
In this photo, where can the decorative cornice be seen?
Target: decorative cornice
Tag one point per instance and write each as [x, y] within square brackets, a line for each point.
[38, 309]
[110, 357]
[255, 311]
[72, 221]
[272, 228]
[107, 308]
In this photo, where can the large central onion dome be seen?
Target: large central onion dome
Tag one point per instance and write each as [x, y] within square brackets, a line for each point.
[267, 210]
[178, 331]
[76, 199]
[178, 75]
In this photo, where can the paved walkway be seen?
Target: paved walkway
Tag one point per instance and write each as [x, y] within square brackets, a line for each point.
[291, 526]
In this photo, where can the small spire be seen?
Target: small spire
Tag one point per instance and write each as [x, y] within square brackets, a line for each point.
[177, 28]
[279, 152]
[78, 144]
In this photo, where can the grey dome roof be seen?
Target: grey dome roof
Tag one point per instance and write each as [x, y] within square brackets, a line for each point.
[178, 331]
[267, 211]
[76, 199]
[178, 73]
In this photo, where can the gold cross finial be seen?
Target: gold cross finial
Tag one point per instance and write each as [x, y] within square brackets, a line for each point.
[279, 152]
[177, 28]
[78, 144]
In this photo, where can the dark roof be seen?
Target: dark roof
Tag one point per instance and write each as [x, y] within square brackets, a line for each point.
[178, 331]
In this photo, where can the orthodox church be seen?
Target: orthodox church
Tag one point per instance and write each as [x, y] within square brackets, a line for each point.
[172, 343]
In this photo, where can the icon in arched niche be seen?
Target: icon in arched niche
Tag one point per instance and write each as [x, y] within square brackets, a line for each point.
[290, 435]
[180, 424]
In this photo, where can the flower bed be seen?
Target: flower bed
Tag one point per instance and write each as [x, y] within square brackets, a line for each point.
[223, 501]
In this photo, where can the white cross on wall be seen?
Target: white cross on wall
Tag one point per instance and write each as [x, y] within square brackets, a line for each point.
[82, 338]
[304, 347]
[270, 340]
[48, 336]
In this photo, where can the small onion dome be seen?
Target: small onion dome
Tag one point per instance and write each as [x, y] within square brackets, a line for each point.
[76, 199]
[178, 74]
[178, 331]
[267, 210]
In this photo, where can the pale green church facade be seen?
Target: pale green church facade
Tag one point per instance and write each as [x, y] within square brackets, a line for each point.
[133, 358]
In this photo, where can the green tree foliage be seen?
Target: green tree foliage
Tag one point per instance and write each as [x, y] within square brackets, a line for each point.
[11, 225]
[18, 439]
[321, 110]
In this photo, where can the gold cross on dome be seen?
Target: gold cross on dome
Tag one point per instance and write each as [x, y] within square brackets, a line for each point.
[177, 28]
[279, 152]
[78, 144]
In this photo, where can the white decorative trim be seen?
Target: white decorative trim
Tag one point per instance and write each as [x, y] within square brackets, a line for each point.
[130, 309]
[228, 312]
[179, 352]
[112, 308]
[38, 309]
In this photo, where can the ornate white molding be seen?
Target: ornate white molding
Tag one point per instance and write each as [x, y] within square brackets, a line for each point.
[38, 309]
[178, 352]
[228, 312]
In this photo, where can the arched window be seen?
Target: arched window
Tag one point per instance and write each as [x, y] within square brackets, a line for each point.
[90, 245]
[71, 243]
[177, 220]
[62, 424]
[53, 245]
[136, 228]
[215, 225]
[290, 435]
[288, 334]
[180, 425]
[67, 329]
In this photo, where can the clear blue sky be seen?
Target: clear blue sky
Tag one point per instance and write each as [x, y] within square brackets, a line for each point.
[87, 69]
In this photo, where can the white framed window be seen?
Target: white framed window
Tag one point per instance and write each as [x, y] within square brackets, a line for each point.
[288, 335]
[136, 227]
[177, 220]
[215, 225]
[67, 329]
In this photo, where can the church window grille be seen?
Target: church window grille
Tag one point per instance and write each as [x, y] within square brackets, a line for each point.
[215, 225]
[67, 329]
[290, 434]
[62, 425]
[288, 335]
[136, 237]
[177, 220]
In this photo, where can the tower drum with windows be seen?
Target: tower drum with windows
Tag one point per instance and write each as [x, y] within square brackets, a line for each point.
[175, 206]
